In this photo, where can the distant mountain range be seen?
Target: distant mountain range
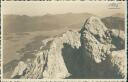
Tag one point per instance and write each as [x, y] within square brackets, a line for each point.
[118, 15]
[116, 21]
[18, 23]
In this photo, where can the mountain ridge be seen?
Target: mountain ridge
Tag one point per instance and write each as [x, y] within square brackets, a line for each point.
[17, 23]
[85, 54]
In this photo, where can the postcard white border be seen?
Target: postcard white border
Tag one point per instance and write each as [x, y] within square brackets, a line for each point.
[62, 80]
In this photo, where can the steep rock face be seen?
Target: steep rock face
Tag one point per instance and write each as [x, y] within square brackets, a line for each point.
[19, 70]
[100, 47]
[95, 39]
[118, 61]
[90, 53]
[118, 39]
[49, 62]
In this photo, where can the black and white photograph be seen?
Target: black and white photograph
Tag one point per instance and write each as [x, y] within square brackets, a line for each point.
[64, 40]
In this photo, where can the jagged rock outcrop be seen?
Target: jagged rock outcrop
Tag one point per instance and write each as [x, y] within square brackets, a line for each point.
[118, 61]
[118, 39]
[19, 70]
[95, 39]
[89, 53]
[49, 62]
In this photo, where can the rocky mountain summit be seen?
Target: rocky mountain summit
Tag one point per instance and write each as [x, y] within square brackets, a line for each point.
[93, 52]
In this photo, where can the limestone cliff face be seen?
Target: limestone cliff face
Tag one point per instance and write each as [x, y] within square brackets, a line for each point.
[89, 53]
[95, 39]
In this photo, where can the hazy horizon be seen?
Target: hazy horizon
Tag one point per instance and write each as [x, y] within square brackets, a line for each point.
[100, 9]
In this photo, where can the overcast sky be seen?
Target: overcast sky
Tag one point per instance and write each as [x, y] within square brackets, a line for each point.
[40, 8]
